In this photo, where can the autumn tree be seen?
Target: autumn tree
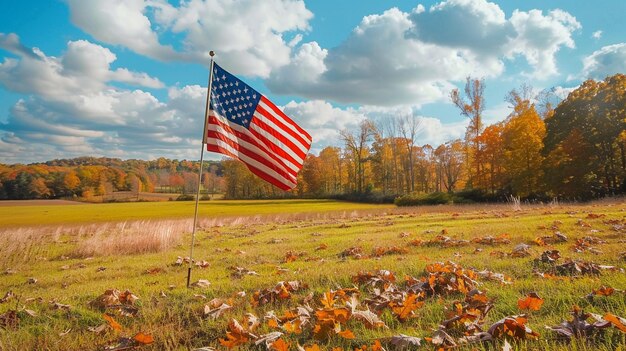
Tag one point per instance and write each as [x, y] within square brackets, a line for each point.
[597, 110]
[449, 158]
[472, 106]
[71, 183]
[38, 188]
[357, 149]
[312, 180]
[492, 152]
[522, 140]
[333, 169]
[408, 127]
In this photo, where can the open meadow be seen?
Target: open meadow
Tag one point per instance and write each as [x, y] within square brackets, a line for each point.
[313, 275]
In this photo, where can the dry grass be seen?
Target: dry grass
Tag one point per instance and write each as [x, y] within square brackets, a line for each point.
[132, 238]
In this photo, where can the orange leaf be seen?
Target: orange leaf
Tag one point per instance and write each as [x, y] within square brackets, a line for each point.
[313, 347]
[235, 336]
[618, 322]
[328, 300]
[531, 302]
[604, 291]
[112, 323]
[284, 293]
[293, 326]
[280, 345]
[143, 339]
[346, 334]
[335, 315]
[409, 305]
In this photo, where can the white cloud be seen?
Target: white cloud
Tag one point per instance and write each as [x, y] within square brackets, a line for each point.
[413, 58]
[597, 34]
[562, 92]
[540, 37]
[120, 22]
[246, 34]
[607, 61]
[72, 110]
[11, 42]
[322, 121]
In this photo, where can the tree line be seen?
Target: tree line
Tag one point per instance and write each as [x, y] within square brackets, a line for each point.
[96, 179]
[546, 148]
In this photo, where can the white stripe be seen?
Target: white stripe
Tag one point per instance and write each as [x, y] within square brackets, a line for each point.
[252, 148]
[270, 172]
[293, 139]
[295, 168]
[270, 138]
[280, 118]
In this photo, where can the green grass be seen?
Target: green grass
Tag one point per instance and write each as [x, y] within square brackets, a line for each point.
[176, 320]
[12, 216]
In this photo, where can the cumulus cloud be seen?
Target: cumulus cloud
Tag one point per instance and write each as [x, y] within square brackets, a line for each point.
[413, 58]
[11, 43]
[72, 110]
[249, 35]
[607, 61]
[120, 22]
[540, 37]
[323, 121]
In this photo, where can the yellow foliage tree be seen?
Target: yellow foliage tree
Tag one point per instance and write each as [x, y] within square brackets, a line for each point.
[522, 139]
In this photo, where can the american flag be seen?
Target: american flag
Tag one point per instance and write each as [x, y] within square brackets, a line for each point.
[245, 125]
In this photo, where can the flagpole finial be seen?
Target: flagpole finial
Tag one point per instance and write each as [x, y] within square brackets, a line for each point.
[211, 53]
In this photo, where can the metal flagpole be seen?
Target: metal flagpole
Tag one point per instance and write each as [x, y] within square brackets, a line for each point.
[206, 120]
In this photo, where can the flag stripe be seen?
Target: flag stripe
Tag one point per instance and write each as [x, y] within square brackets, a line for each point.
[257, 168]
[263, 119]
[241, 142]
[239, 132]
[251, 158]
[286, 123]
[274, 141]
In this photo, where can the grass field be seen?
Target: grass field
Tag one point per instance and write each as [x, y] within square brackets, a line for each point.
[74, 262]
[13, 216]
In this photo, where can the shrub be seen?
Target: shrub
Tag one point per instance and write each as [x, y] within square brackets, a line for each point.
[437, 198]
[185, 197]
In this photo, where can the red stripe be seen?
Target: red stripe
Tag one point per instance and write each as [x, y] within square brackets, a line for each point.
[287, 119]
[277, 156]
[252, 154]
[284, 128]
[296, 150]
[258, 172]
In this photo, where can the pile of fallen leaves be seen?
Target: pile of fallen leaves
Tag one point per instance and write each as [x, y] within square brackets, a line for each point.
[116, 303]
[378, 294]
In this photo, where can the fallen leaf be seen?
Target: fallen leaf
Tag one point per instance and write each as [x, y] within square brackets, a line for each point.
[201, 283]
[112, 322]
[616, 321]
[143, 339]
[532, 302]
[404, 342]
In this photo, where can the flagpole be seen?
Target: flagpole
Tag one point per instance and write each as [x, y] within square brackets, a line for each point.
[206, 120]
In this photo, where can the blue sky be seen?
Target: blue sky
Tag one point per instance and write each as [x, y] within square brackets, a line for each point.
[127, 78]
